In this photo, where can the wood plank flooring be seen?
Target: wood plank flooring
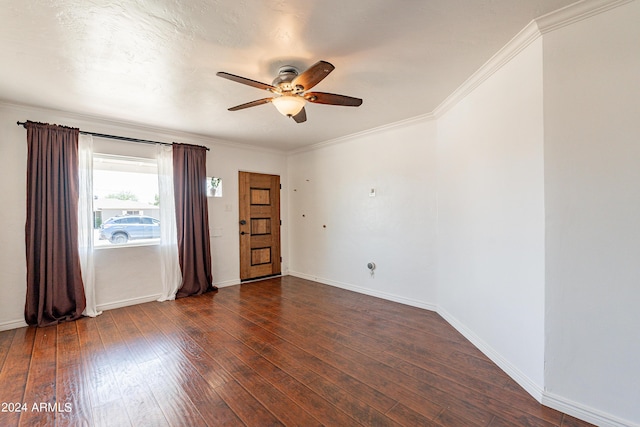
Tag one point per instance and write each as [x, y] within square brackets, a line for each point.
[283, 351]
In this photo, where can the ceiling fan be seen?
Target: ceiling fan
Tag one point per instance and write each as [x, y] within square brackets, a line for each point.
[290, 90]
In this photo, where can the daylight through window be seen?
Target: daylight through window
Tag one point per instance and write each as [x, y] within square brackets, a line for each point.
[126, 204]
[214, 186]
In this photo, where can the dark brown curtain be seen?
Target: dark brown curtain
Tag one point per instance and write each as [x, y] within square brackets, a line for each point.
[192, 219]
[55, 291]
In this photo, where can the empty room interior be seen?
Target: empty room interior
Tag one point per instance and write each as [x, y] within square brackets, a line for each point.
[320, 213]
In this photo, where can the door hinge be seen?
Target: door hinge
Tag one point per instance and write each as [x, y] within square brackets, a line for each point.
[280, 259]
[280, 222]
[281, 186]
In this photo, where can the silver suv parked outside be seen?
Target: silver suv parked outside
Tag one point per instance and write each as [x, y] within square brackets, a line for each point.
[121, 229]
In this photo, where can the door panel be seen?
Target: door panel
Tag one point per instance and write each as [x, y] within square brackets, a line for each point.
[259, 225]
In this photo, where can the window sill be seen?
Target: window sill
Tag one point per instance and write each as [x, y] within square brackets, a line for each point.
[135, 244]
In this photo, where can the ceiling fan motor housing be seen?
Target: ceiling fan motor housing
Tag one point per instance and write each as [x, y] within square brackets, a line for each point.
[290, 90]
[286, 74]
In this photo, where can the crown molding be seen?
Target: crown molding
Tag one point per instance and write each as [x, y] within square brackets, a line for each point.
[517, 44]
[576, 12]
[551, 21]
[535, 29]
[343, 139]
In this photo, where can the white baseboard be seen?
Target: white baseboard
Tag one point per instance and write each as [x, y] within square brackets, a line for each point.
[227, 283]
[127, 302]
[367, 291]
[530, 386]
[12, 324]
[551, 400]
[109, 306]
[584, 412]
[535, 390]
[546, 398]
[15, 324]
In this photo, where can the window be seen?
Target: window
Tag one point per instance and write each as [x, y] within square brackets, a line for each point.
[214, 187]
[126, 203]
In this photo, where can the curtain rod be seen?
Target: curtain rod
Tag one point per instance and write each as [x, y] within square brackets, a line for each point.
[120, 138]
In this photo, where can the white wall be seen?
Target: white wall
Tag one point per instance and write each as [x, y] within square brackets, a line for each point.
[13, 184]
[330, 186]
[515, 214]
[491, 217]
[226, 161]
[123, 275]
[592, 174]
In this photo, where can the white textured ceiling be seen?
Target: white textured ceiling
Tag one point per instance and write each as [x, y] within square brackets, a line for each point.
[154, 62]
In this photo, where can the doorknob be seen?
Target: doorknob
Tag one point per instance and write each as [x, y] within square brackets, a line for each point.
[243, 222]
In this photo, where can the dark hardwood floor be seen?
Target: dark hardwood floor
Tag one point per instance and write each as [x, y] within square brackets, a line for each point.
[283, 351]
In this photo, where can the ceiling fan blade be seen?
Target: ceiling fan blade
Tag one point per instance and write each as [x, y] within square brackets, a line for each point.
[246, 81]
[313, 75]
[251, 104]
[332, 99]
[301, 116]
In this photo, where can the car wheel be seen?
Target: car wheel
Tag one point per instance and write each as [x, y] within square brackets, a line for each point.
[119, 238]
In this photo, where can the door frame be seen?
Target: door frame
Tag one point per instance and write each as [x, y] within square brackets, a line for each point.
[252, 246]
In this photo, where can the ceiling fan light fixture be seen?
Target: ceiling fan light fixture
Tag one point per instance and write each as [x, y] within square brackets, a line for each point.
[289, 105]
[290, 91]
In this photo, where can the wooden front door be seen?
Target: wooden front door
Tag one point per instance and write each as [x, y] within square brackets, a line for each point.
[259, 225]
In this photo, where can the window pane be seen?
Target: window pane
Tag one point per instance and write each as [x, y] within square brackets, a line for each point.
[125, 201]
[214, 187]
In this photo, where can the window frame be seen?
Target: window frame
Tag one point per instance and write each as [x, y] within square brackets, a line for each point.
[132, 164]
